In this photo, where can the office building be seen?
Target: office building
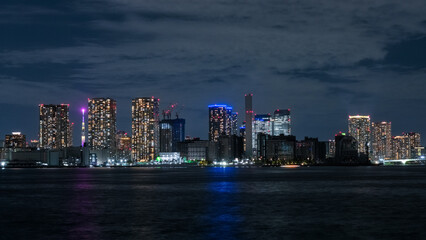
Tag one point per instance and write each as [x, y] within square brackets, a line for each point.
[359, 128]
[54, 126]
[198, 150]
[145, 129]
[381, 140]
[276, 150]
[172, 131]
[230, 148]
[281, 122]
[262, 124]
[234, 124]
[308, 151]
[101, 123]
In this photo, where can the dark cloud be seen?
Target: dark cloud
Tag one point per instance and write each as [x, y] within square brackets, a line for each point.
[322, 59]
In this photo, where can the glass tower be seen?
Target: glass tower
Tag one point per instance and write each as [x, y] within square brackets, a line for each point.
[281, 122]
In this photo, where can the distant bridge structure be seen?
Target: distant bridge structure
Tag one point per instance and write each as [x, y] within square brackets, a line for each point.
[417, 161]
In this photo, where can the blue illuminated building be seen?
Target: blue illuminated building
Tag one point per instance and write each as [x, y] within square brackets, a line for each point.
[172, 131]
[220, 121]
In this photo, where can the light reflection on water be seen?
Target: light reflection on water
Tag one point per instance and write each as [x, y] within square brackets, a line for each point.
[213, 203]
[223, 210]
[82, 208]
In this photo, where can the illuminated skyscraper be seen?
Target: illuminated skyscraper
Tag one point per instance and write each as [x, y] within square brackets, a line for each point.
[262, 124]
[414, 139]
[407, 146]
[249, 125]
[381, 140]
[220, 121]
[101, 123]
[359, 128]
[15, 140]
[55, 130]
[234, 124]
[145, 129]
[401, 147]
[281, 122]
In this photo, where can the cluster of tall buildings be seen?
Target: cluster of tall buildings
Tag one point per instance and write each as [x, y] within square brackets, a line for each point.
[375, 140]
[265, 137]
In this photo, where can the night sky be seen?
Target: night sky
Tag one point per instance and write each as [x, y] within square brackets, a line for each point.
[323, 59]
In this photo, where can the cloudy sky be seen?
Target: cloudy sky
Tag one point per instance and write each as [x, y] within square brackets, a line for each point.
[323, 59]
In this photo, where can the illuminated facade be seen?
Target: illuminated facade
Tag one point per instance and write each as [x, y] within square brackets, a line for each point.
[262, 124]
[15, 140]
[220, 121]
[281, 122]
[381, 140]
[415, 144]
[145, 129]
[234, 124]
[124, 142]
[359, 128]
[407, 146]
[248, 140]
[101, 123]
[414, 137]
[124, 146]
[54, 126]
[401, 147]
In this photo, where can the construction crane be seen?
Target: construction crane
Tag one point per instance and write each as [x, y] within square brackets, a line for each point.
[167, 113]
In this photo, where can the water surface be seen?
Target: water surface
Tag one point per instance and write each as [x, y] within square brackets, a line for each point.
[214, 203]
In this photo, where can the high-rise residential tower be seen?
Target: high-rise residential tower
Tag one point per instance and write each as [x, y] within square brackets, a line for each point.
[102, 127]
[359, 128]
[401, 148]
[414, 137]
[220, 121]
[262, 124]
[145, 129]
[381, 140]
[281, 122]
[406, 146]
[416, 148]
[249, 124]
[54, 126]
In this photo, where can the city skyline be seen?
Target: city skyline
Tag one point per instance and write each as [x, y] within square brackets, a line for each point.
[212, 119]
[76, 128]
[365, 59]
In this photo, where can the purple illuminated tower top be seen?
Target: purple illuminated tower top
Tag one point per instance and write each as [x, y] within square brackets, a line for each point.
[83, 130]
